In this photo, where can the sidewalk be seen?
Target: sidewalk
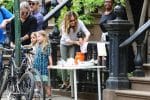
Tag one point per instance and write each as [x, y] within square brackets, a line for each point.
[54, 97]
[63, 98]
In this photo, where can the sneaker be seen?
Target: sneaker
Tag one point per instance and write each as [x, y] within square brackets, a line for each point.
[36, 95]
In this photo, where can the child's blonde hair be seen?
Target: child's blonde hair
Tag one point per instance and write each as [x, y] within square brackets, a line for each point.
[45, 42]
[34, 34]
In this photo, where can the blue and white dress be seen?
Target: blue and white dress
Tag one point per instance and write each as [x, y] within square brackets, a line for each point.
[41, 61]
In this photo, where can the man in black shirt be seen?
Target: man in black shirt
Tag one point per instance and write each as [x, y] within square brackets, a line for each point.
[107, 15]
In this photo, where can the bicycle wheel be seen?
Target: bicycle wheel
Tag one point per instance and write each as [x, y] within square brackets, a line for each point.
[4, 80]
[12, 96]
[39, 88]
[27, 85]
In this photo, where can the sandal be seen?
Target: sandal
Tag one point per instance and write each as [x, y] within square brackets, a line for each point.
[63, 86]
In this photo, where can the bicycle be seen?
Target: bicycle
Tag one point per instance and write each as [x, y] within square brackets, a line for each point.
[28, 60]
[20, 85]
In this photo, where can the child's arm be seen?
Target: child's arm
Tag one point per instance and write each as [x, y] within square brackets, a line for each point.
[50, 61]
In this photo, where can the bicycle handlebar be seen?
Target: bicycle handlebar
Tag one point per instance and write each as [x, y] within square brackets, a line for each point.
[23, 49]
[6, 49]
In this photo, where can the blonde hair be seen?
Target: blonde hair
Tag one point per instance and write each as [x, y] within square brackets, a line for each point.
[45, 42]
[34, 34]
[24, 5]
[66, 22]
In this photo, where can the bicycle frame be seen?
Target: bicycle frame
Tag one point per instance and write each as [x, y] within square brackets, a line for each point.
[16, 77]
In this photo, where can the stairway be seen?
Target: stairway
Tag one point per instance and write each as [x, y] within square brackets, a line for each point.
[140, 87]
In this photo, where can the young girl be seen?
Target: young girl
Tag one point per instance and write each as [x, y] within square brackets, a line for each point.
[43, 59]
[34, 40]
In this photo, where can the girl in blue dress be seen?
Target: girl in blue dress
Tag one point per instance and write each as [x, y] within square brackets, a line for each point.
[43, 59]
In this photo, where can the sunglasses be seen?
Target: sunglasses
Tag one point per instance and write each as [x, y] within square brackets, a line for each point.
[31, 3]
[24, 13]
[72, 20]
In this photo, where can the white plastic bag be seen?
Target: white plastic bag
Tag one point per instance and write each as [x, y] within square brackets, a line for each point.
[83, 47]
[103, 36]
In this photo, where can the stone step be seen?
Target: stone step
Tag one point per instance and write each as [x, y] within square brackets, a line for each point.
[132, 95]
[140, 83]
[50, 26]
[146, 68]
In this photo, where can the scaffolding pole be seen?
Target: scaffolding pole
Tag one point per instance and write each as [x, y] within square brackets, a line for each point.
[17, 32]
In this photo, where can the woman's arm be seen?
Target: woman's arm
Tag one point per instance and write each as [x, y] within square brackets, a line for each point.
[85, 31]
[69, 41]
[25, 37]
[5, 22]
[65, 38]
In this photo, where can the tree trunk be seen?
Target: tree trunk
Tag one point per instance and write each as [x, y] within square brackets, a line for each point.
[144, 12]
[131, 19]
[130, 14]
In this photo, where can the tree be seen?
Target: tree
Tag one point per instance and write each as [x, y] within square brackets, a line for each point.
[8, 4]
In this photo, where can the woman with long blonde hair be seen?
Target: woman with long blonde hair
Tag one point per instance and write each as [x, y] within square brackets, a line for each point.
[71, 26]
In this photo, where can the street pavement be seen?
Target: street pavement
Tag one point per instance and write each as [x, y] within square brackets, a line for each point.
[54, 97]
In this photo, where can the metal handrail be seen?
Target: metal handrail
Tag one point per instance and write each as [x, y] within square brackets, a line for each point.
[137, 34]
[56, 9]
